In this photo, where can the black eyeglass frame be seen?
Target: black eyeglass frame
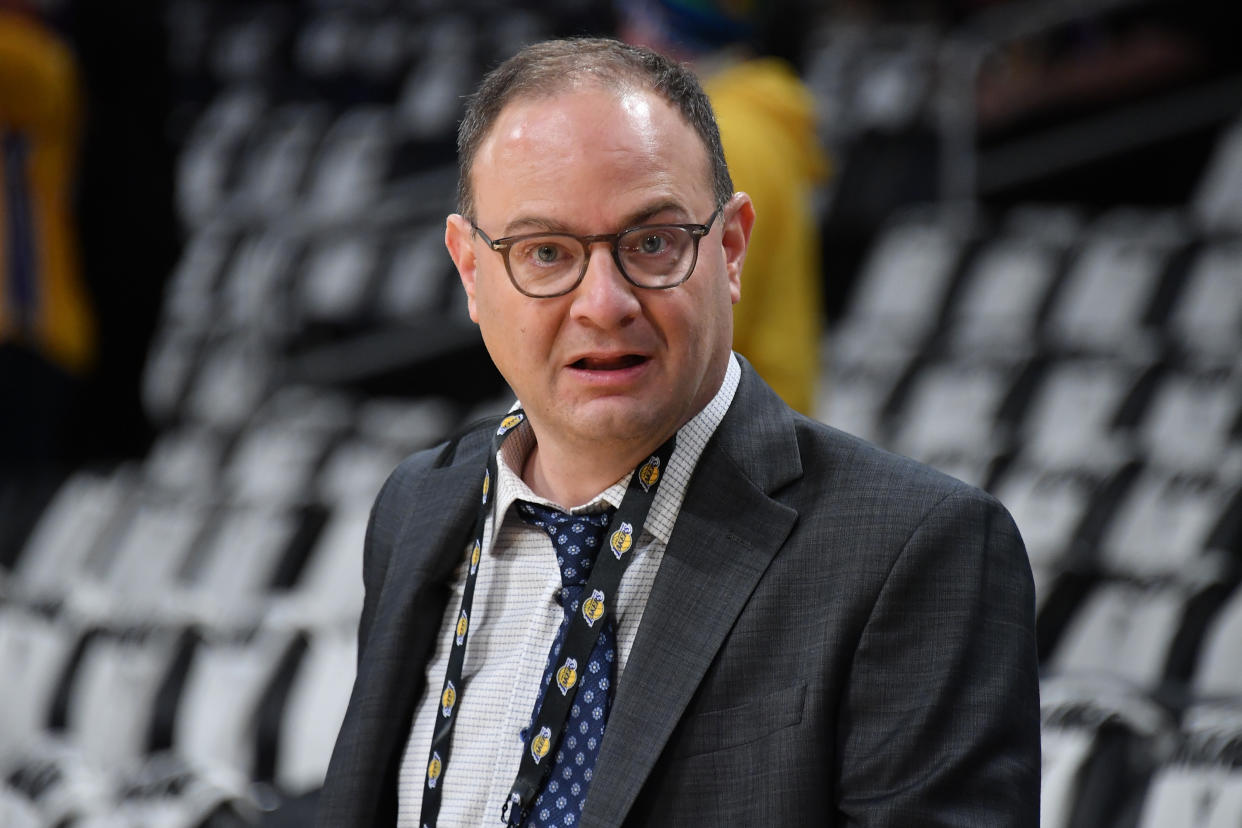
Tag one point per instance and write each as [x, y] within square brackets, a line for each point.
[505, 244]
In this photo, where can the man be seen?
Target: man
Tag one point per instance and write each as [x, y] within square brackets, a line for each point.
[807, 630]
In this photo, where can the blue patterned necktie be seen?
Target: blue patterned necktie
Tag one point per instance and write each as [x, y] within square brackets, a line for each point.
[576, 538]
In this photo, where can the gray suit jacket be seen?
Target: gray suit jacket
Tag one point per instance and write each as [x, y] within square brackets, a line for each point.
[836, 636]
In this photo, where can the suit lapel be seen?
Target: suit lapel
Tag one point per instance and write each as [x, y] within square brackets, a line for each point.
[726, 534]
[411, 604]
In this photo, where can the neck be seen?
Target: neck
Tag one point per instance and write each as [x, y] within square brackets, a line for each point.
[570, 477]
[570, 472]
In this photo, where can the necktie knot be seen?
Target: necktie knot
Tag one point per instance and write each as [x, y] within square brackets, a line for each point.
[576, 538]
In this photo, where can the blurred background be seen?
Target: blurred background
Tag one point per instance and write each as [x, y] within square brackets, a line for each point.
[226, 313]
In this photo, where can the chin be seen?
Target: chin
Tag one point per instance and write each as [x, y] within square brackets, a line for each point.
[618, 419]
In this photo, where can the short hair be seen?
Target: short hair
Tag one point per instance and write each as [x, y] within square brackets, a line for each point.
[552, 66]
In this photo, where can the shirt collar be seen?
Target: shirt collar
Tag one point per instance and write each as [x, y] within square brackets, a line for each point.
[692, 438]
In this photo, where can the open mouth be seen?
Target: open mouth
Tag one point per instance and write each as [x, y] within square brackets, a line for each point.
[612, 363]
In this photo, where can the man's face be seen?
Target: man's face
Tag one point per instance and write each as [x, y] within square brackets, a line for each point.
[608, 361]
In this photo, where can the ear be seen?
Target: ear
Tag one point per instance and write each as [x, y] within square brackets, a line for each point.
[457, 233]
[739, 218]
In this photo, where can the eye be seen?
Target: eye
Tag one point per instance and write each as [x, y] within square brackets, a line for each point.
[652, 243]
[543, 252]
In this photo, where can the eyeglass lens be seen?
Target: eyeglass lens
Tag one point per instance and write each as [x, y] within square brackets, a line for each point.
[649, 256]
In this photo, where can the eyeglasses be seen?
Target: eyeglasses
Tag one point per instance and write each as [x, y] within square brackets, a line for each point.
[652, 256]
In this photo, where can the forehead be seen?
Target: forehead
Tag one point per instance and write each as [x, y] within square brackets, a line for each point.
[583, 154]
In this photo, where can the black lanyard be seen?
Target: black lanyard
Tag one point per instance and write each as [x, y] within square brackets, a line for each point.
[584, 629]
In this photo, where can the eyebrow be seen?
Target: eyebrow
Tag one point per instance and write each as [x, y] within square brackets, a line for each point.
[541, 224]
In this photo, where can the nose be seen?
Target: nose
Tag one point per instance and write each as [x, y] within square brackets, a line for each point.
[604, 298]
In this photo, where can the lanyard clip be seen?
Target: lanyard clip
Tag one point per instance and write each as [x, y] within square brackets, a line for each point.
[512, 812]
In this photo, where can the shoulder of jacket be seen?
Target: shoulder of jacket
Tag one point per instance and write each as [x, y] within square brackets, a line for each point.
[852, 459]
[464, 446]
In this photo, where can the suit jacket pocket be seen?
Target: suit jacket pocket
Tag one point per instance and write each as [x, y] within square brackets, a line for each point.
[733, 726]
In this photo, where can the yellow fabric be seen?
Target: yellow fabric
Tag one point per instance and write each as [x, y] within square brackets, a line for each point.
[39, 100]
[767, 126]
